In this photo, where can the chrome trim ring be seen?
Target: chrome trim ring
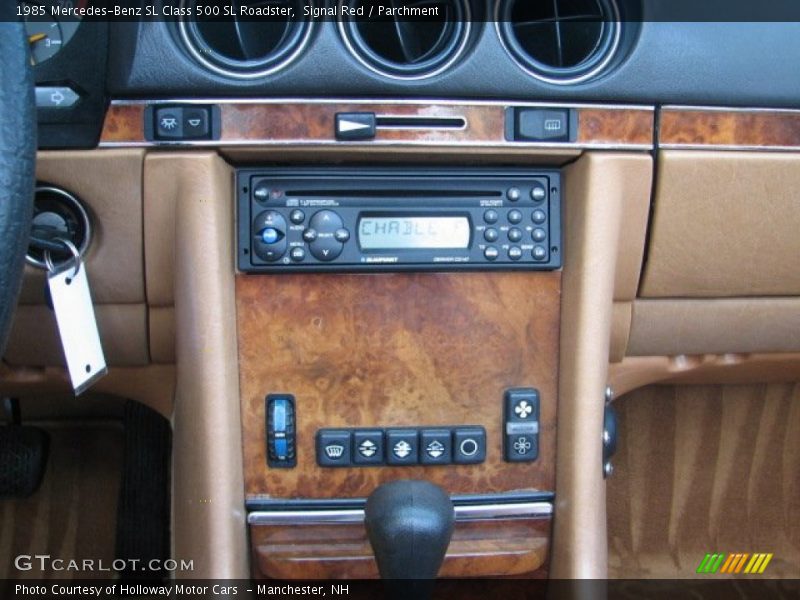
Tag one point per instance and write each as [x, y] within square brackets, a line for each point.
[465, 36]
[83, 215]
[476, 512]
[189, 45]
[610, 53]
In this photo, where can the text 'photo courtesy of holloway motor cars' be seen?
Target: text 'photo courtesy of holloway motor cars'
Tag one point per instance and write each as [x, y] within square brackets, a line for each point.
[400, 299]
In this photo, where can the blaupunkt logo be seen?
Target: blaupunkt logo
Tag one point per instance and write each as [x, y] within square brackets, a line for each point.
[742, 563]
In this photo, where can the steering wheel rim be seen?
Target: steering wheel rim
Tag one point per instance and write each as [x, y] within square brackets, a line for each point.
[17, 160]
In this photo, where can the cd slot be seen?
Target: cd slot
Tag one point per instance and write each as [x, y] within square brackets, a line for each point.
[396, 122]
[394, 193]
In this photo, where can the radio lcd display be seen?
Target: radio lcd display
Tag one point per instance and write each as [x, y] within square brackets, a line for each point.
[413, 232]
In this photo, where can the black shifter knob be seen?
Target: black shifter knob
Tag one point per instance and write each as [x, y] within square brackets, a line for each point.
[409, 524]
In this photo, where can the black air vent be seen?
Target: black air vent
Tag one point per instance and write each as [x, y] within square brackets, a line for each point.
[405, 46]
[245, 44]
[560, 41]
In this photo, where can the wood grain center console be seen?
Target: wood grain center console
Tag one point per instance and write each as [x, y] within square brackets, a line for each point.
[396, 350]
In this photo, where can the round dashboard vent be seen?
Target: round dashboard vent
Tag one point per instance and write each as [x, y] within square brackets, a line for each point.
[404, 46]
[245, 39]
[560, 41]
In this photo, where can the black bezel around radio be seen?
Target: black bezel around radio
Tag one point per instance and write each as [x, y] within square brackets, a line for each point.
[318, 219]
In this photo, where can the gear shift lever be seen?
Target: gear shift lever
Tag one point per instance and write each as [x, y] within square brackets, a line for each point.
[409, 524]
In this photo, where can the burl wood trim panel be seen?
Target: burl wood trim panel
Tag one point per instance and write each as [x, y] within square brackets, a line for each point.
[599, 126]
[124, 123]
[390, 350]
[732, 129]
[304, 123]
[492, 548]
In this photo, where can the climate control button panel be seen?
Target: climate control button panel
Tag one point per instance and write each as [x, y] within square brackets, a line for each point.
[403, 446]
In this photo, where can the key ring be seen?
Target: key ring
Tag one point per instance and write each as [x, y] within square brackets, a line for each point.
[76, 256]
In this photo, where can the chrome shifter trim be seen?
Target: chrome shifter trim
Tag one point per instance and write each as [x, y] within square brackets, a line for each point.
[475, 512]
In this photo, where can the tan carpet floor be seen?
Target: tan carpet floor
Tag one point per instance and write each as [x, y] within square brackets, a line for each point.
[73, 514]
[705, 469]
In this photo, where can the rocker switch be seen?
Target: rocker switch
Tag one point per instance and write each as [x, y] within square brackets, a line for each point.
[280, 421]
[521, 423]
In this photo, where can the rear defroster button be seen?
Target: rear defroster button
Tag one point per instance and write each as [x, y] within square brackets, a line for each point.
[333, 447]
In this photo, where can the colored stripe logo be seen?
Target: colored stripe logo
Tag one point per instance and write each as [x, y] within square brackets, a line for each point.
[735, 563]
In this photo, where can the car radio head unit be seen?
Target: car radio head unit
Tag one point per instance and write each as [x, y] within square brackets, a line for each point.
[335, 219]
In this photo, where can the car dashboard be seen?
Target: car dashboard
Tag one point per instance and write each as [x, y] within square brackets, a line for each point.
[341, 250]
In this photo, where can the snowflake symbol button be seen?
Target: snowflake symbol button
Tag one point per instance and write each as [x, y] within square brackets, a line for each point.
[523, 409]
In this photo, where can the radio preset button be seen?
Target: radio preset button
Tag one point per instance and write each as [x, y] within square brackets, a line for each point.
[539, 253]
[538, 193]
[514, 253]
[491, 253]
[491, 235]
[513, 194]
[538, 234]
[297, 216]
[514, 216]
[341, 235]
[514, 234]
[297, 254]
[538, 217]
[491, 216]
